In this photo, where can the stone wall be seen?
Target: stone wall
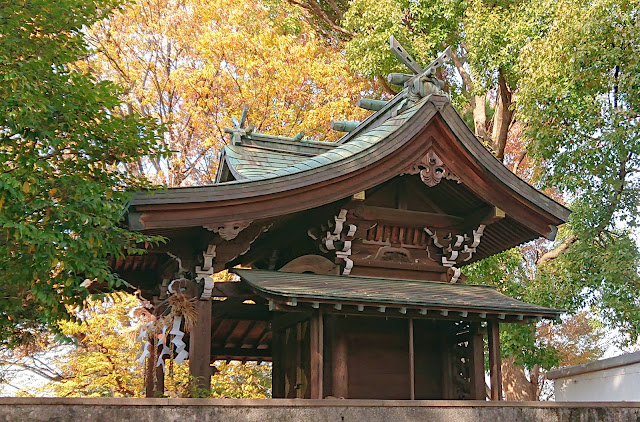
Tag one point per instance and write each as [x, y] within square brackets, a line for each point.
[285, 410]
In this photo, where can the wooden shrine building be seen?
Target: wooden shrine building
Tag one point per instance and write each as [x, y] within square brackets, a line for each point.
[348, 255]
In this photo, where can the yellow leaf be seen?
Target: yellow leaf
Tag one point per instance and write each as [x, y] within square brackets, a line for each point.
[1, 202]
[26, 187]
[109, 194]
[52, 191]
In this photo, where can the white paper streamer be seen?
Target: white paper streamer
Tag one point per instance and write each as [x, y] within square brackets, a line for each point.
[165, 349]
[182, 354]
[143, 338]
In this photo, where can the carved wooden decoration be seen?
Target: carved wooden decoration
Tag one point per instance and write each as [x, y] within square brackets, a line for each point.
[456, 248]
[338, 238]
[432, 170]
[230, 230]
[315, 264]
[204, 273]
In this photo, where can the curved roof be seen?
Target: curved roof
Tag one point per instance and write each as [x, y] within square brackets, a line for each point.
[275, 176]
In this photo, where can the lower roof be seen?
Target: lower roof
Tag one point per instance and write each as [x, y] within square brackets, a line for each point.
[384, 292]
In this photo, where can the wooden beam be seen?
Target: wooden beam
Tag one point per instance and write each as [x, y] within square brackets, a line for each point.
[240, 353]
[417, 219]
[200, 347]
[493, 330]
[485, 215]
[478, 385]
[412, 363]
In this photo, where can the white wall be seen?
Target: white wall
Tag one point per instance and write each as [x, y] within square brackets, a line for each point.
[613, 384]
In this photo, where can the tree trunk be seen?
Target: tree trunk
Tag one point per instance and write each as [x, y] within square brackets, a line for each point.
[515, 384]
[502, 118]
[478, 104]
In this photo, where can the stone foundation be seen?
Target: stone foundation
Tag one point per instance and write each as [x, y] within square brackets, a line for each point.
[285, 410]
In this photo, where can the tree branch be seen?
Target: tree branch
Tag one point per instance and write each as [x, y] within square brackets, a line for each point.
[553, 254]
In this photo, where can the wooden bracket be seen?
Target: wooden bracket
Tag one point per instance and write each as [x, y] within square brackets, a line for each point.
[229, 230]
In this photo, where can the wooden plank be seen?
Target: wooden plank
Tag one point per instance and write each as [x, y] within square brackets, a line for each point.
[412, 371]
[478, 389]
[378, 358]
[200, 347]
[495, 368]
[339, 360]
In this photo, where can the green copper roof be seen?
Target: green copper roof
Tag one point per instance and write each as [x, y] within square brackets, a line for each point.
[253, 163]
[371, 291]
[246, 162]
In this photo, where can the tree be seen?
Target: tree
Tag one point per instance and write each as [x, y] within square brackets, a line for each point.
[102, 362]
[63, 146]
[194, 64]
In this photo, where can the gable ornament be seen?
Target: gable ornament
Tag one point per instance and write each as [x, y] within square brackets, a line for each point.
[432, 170]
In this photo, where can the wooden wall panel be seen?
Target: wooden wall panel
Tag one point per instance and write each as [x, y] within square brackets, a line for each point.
[428, 340]
[378, 358]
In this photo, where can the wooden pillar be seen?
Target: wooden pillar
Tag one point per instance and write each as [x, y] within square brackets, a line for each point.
[412, 363]
[339, 361]
[478, 390]
[158, 390]
[277, 368]
[200, 348]
[150, 369]
[494, 359]
[315, 348]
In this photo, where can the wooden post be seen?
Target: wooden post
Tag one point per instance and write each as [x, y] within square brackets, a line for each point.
[494, 359]
[315, 349]
[277, 371]
[150, 370]
[339, 360]
[158, 390]
[200, 349]
[412, 363]
[478, 390]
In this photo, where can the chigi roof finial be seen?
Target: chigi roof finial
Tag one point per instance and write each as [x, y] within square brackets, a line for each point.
[238, 130]
[423, 82]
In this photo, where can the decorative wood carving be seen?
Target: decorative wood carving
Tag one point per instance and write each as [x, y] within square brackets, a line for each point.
[455, 248]
[432, 170]
[460, 349]
[204, 273]
[315, 264]
[230, 230]
[338, 238]
[231, 250]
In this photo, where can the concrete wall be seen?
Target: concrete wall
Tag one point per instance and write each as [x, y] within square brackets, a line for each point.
[286, 410]
[613, 379]
[613, 384]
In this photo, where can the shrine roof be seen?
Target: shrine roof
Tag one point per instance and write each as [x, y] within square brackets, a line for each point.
[246, 162]
[371, 291]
